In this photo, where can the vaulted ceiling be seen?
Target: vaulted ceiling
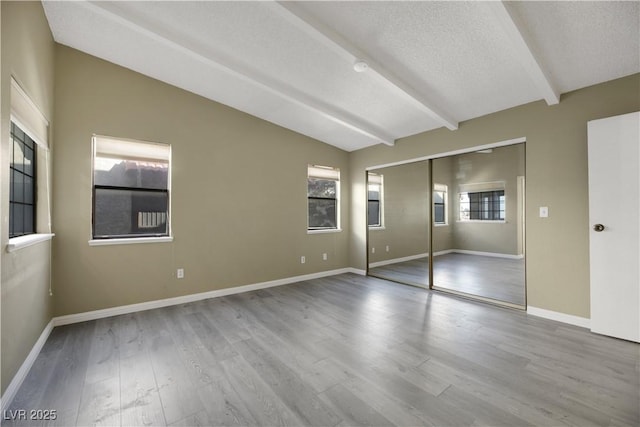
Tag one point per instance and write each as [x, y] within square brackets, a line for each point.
[426, 64]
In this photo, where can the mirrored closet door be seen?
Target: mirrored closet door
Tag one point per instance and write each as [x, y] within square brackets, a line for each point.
[469, 207]
[478, 228]
[398, 220]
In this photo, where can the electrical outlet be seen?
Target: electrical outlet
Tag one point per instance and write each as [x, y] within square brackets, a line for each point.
[303, 259]
[387, 248]
[324, 257]
[180, 273]
[373, 250]
[544, 212]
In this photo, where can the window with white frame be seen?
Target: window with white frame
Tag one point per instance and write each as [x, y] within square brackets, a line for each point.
[440, 204]
[29, 139]
[375, 200]
[131, 183]
[323, 196]
[482, 202]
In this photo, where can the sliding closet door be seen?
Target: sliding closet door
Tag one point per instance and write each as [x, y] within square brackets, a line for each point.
[478, 225]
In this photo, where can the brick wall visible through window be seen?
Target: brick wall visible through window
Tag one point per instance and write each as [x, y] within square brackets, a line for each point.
[130, 189]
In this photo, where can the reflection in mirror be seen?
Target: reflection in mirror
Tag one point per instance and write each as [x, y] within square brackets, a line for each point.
[398, 218]
[478, 231]
[478, 224]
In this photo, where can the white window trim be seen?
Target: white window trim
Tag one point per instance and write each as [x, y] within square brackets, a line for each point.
[130, 241]
[26, 115]
[324, 231]
[477, 187]
[445, 189]
[325, 172]
[380, 181]
[21, 242]
[485, 221]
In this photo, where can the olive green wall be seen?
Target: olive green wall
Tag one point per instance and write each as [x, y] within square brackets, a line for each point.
[238, 192]
[27, 53]
[443, 235]
[406, 213]
[556, 169]
[406, 220]
[503, 164]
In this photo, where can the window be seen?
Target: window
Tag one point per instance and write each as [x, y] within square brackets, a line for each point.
[482, 205]
[323, 193]
[439, 204]
[29, 201]
[374, 200]
[130, 188]
[22, 187]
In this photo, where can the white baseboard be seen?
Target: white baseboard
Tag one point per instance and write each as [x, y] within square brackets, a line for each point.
[583, 322]
[491, 254]
[356, 271]
[132, 308]
[20, 376]
[444, 252]
[395, 260]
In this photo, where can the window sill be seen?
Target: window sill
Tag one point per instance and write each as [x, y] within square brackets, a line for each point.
[441, 225]
[329, 230]
[17, 243]
[130, 241]
[485, 221]
[376, 228]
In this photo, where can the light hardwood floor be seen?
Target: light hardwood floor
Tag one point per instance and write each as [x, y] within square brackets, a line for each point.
[345, 350]
[502, 279]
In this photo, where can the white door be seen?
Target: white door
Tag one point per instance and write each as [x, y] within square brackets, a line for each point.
[614, 207]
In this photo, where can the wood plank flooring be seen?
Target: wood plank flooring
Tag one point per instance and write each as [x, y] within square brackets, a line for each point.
[340, 351]
[502, 279]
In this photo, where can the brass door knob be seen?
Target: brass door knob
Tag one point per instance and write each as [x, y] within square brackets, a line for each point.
[598, 227]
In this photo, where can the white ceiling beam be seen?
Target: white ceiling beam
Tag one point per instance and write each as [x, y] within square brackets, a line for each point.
[346, 49]
[526, 53]
[247, 74]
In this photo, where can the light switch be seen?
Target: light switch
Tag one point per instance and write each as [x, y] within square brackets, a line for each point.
[544, 211]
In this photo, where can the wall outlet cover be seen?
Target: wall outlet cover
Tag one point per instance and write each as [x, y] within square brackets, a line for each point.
[544, 212]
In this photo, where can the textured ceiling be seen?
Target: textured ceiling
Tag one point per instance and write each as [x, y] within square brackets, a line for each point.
[431, 64]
